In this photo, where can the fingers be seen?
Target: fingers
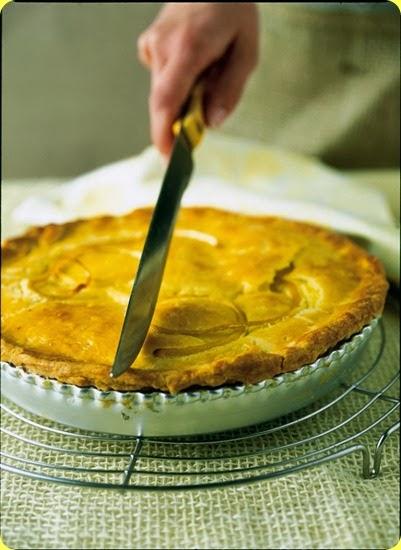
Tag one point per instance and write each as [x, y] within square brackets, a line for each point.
[143, 51]
[226, 85]
[150, 50]
[169, 90]
[187, 39]
[172, 78]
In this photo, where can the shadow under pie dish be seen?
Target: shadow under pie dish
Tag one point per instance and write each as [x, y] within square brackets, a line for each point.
[243, 299]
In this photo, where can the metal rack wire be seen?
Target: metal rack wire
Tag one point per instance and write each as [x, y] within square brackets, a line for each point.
[319, 434]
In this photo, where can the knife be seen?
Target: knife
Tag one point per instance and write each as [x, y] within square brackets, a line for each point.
[188, 130]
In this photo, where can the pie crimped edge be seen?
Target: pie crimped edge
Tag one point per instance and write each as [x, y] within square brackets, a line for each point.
[250, 366]
[160, 414]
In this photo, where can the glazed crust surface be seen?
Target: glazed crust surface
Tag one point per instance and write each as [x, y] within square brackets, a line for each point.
[243, 298]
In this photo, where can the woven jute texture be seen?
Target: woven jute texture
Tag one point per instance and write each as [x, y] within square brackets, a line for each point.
[328, 506]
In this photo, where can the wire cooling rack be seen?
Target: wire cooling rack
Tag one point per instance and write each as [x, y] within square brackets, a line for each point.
[352, 424]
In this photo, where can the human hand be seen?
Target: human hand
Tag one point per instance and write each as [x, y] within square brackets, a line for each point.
[218, 41]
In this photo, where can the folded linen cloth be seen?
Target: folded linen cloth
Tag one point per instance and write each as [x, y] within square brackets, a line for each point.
[237, 175]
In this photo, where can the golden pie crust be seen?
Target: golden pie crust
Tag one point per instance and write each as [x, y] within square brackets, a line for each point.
[243, 298]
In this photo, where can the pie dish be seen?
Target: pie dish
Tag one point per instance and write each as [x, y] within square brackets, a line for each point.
[192, 412]
[243, 299]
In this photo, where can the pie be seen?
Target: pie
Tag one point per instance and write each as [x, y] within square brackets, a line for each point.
[243, 299]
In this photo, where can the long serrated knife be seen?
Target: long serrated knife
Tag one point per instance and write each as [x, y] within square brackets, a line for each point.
[188, 130]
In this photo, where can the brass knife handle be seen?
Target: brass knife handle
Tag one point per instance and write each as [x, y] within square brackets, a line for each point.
[192, 121]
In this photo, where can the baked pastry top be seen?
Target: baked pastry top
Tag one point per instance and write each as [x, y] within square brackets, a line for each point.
[243, 298]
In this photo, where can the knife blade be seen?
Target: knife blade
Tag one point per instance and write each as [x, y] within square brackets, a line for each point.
[145, 290]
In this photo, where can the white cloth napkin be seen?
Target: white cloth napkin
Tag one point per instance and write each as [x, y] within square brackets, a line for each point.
[236, 175]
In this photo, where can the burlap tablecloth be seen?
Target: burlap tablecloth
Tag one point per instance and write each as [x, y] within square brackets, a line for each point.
[330, 506]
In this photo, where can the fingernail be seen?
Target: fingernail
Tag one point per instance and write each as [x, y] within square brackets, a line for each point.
[217, 116]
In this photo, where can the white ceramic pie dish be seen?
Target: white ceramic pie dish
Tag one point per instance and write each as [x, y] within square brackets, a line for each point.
[187, 413]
